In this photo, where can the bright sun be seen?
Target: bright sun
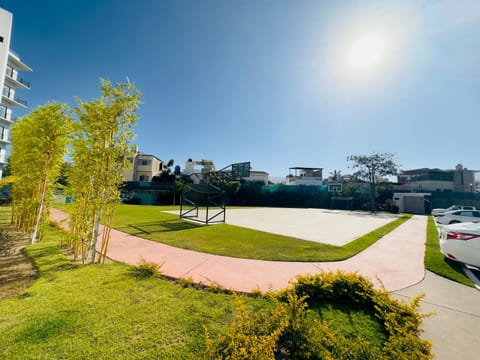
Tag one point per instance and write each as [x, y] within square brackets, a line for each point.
[366, 52]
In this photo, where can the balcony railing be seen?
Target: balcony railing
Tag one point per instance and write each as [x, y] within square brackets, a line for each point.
[18, 79]
[24, 82]
[21, 101]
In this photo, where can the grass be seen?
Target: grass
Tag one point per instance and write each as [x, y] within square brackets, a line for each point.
[150, 222]
[436, 262]
[105, 312]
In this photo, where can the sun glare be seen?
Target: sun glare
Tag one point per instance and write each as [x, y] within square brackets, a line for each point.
[366, 52]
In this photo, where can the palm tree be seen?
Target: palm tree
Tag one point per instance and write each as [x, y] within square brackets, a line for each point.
[335, 175]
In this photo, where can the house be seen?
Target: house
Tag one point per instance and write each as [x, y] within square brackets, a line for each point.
[143, 167]
[304, 176]
[10, 81]
[459, 179]
[257, 176]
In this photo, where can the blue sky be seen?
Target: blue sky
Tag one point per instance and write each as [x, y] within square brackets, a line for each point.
[271, 82]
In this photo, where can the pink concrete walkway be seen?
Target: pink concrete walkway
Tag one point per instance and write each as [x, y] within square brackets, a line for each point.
[396, 261]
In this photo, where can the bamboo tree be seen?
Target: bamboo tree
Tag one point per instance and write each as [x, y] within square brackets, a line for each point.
[39, 143]
[101, 144]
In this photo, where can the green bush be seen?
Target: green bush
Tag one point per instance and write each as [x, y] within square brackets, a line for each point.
[251, 336]
[145, 270]
[290, 329]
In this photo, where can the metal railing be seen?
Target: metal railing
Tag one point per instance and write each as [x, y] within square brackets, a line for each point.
[21, 101]
[24, 82]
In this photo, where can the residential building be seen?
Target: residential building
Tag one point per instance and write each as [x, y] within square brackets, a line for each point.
[459, 179]
[143, 167]
[10, 82]
[198, 169]
[257, 176]
[304, 176]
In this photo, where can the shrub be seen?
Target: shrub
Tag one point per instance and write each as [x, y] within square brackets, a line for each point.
[145, 270]
[252, 335]
[290, 331]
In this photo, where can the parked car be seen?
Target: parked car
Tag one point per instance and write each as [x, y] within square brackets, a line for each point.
[461, 242]
[437, 212]
[453, 217]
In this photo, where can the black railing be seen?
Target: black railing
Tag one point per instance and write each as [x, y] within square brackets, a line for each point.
[24, 82]
[21, 101]
[18, 79]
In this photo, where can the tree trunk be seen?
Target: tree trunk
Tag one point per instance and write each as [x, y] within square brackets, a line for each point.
[40, 211]
[93, 244]
[372, 199]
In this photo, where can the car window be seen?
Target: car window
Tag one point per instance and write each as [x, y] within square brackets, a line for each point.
[476, 213]
[468, 208]
[466, 213]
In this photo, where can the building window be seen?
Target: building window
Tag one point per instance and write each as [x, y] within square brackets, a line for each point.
[145, 162]
[9, 71]
[1, 38]
[6, 91]
[143, 178]
[3, 111]
[2, 133]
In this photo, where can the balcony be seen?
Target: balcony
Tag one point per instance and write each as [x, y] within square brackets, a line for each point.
[15, 61]
[17, 82]
[19, 102]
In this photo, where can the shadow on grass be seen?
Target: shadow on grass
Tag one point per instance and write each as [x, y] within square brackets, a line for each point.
[139, 229]
[454, 265]
[42, 327]
[50, 259]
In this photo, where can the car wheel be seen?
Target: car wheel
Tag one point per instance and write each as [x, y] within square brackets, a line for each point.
[454, 222]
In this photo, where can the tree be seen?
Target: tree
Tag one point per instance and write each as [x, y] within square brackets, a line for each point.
[165, 174]
[39, 142]
[336, 175]
[101, 145]
[371, 168]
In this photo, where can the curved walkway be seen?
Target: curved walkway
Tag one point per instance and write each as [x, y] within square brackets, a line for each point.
[394, 262]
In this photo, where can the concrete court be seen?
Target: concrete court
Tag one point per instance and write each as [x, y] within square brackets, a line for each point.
[333, 227]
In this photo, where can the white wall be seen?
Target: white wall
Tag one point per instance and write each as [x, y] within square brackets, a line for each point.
[5, 32]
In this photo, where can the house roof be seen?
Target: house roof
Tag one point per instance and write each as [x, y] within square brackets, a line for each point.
[150, 156]
[304, 168]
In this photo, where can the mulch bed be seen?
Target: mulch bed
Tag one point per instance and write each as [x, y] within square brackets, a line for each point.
[16, 270]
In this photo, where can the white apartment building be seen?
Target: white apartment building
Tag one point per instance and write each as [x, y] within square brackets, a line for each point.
[10, 81]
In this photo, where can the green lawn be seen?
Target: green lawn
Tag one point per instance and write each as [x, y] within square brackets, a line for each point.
[150, 222]
[104, 312]
[436, 262]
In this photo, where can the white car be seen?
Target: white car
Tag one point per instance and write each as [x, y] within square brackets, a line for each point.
[461, 242]
[437, 212]
[458, 216]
